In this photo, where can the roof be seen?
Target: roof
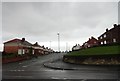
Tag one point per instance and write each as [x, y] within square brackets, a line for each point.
[112, 29]
[36, 44]
[13, 40]
[91, 39]
[18, 41]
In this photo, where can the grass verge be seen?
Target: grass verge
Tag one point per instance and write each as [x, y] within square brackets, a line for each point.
[101, 50]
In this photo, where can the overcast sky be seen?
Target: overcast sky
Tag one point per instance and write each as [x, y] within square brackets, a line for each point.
[41, 21]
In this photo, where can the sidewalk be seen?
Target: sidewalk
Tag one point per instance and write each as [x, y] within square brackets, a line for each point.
[60, 65]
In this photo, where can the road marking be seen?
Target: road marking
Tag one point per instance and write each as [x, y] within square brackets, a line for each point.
[64, 78]
[48, 70]
[55, 78]
[17, 70]
[56, 70]
[24, 66]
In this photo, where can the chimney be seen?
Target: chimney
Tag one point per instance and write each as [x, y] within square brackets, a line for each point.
[89, 39]
[115, 25]
[107, 30]
[92, 37]
[23, 39]
[36, 43]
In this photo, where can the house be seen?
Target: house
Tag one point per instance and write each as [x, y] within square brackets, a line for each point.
[37, 49]
[46, 50]
[110, 36]
[90, 43]
[76, 47]
[17, 46]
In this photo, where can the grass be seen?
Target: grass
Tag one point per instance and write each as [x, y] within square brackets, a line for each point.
[102, 50]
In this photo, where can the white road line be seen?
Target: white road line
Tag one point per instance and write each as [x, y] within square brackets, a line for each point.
[17, 70]
[24, 66]
[55, 78]
[64, 78]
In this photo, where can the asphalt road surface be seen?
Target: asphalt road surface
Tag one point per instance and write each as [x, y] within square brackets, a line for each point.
[34, 69]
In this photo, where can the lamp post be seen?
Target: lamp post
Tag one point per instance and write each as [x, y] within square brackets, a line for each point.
[58, 41]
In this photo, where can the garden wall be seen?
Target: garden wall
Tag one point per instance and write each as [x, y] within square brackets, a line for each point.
[93, 59]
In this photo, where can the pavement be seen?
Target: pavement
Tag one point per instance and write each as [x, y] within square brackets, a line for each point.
[60, 65]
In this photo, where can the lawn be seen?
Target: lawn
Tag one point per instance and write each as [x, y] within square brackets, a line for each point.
[101, 50]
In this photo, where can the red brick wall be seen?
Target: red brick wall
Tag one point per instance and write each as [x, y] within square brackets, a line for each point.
[14, 59]
[91, 42]
[11, 49]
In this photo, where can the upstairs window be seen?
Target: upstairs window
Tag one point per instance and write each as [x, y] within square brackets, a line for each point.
[105, 36]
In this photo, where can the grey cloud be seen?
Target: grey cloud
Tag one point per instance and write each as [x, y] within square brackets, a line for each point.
[41, 21]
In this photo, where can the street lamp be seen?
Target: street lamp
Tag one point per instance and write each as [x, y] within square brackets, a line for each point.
[58, 41]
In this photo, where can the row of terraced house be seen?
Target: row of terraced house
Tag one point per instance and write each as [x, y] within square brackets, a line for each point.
[22, 47]
[110, 36]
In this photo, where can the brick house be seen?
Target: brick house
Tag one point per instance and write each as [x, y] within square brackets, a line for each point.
[76, 47]
[17, 46]
[110, 36]
[37, 49]
[90, 43]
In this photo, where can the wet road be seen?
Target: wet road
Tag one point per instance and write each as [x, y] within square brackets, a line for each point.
[34, 69]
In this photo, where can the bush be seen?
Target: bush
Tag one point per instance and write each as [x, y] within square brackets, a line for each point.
[10, 55]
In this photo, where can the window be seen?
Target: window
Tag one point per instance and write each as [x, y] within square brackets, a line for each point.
[88, 45]
[114, 40]
[33, 52]
[23, 51]
[101, 37]
[105, 42]
[101, 42]
[19, 51]
[105, 36]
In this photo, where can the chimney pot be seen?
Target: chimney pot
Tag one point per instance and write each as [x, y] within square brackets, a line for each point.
[115, 25]
[107, 30]
[23, 39]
